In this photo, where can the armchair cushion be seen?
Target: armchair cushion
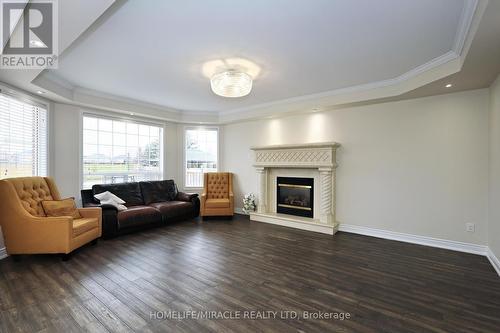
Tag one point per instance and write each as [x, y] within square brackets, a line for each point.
[217, 203]
[217, 186]
[32, 191]
[65, 207]
[83, 225]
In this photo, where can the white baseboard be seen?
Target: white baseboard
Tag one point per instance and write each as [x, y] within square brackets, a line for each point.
[494, 260]
[415, 239]
[3, 253]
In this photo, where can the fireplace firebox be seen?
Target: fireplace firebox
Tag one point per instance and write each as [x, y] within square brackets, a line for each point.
[295, 196]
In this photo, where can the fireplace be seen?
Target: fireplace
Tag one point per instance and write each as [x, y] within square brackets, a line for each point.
[295, 196]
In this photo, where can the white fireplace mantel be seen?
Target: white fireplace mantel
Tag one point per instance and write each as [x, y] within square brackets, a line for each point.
[318, 160]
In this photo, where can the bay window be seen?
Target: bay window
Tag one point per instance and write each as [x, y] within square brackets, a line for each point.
[201, 154]
[116, 150]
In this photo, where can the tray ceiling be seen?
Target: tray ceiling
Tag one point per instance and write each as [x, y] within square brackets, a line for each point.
[154, 51]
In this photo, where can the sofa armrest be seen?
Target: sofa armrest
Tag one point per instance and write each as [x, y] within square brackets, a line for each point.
[188, 197]
[90, 212]
[103, 207]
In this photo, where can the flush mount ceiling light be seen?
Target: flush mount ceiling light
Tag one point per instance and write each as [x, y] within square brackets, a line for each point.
[231, 83]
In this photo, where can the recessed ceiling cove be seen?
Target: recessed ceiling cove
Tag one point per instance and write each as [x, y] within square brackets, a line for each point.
[155, 51]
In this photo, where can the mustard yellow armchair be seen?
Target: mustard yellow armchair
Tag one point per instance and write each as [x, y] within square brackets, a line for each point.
[217, 198]
[26, 229]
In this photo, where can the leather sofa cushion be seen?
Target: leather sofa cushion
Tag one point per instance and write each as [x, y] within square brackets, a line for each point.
[138, 215]
[129, 192]
[158, 191]
[217, 203]
[83, 225]
[172, 209]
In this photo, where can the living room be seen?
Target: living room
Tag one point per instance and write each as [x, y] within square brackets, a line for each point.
[269, 166]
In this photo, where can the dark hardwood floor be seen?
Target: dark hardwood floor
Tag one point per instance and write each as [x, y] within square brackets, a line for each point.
[120, 285]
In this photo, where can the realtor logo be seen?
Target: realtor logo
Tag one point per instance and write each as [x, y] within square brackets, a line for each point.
[28, 34]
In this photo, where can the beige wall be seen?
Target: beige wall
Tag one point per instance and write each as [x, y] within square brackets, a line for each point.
[494, 197]
[417, 166]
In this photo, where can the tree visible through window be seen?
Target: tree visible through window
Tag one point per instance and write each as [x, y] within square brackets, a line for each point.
[117, 151]
[201, 154]
[23, 138]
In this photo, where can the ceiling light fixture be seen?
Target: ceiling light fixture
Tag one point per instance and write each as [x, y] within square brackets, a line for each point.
[449, 85]
[231, 83]
[39, 92]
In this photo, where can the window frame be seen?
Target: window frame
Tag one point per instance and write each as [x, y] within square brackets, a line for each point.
[184, 155]
[121, 118]
[25, 97]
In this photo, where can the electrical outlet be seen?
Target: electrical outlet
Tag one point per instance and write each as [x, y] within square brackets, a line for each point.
[470, 227]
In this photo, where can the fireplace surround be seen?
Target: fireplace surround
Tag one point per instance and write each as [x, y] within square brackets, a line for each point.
[315, 161]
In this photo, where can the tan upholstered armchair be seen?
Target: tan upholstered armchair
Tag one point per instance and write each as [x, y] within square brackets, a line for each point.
[26, 228]
[217, 197]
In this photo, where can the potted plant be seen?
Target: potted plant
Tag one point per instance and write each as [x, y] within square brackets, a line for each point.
[249, 203]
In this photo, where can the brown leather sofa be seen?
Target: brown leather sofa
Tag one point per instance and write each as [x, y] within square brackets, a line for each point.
[26, 228]
[152, 203]
[217, 198]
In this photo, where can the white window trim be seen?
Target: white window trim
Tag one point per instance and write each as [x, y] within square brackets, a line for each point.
[184, 161]
[119, 117]
[42, 102]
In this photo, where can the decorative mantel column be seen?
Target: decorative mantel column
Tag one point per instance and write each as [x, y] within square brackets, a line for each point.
[326, 192]
[262, 203]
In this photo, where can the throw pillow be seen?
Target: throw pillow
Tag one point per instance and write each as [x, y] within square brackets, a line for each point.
[65, 207]
[108, 198]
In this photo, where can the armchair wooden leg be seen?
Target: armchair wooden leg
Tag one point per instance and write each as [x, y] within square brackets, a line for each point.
[66, 256]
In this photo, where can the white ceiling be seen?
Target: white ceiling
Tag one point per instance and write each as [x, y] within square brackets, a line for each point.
[153, 51]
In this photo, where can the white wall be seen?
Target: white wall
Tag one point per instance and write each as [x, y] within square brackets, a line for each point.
[418, 166]
[494, 203]
[66, 149]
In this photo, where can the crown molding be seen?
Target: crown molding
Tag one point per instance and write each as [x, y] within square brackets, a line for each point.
[466, 20]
